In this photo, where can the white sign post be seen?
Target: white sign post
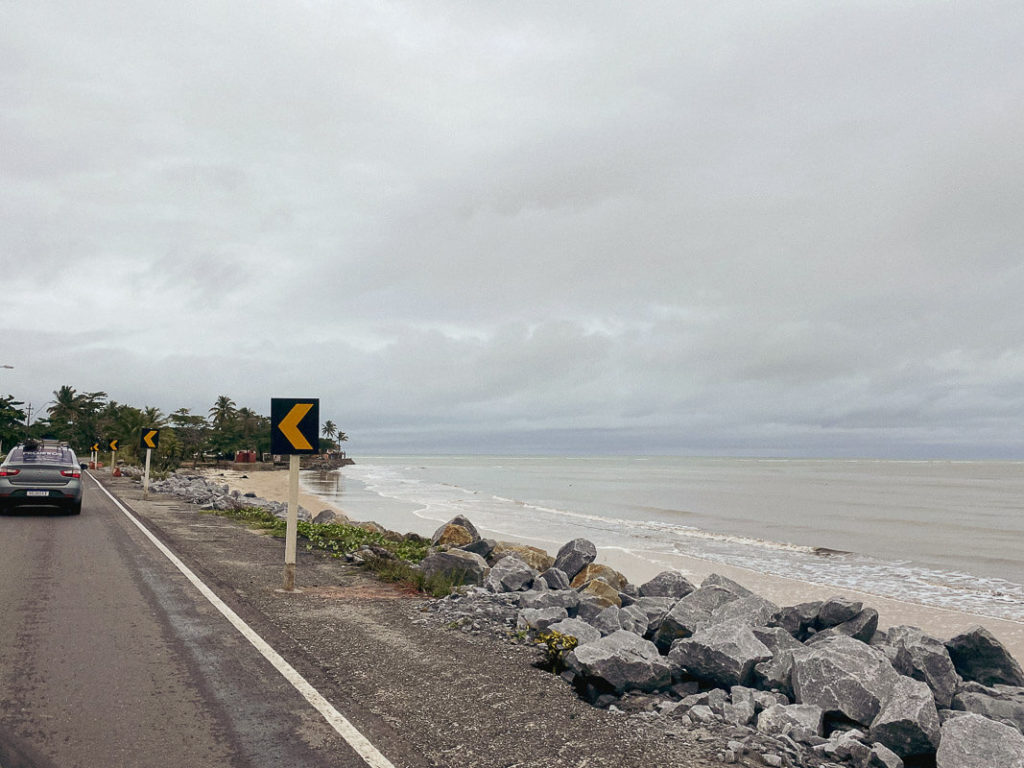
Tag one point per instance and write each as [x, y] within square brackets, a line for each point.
[145, 483]
[291, 528]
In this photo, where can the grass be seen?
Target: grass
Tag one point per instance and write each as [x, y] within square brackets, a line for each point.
[338, 539]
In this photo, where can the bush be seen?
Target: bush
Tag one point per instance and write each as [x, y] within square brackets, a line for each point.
[557, 646]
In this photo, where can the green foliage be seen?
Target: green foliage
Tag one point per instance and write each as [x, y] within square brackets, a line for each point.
[336, 539]
[556, 647]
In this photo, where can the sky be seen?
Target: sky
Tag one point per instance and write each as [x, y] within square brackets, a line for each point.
[710, 228]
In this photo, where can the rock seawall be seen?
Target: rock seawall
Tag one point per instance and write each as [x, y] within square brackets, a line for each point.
[807, 685]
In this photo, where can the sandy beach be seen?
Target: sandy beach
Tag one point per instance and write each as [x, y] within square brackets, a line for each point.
[938, 622]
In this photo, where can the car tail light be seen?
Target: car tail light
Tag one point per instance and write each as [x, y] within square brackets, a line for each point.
[71, 472]
[8, 471]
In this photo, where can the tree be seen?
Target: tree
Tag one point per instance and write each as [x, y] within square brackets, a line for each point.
[191, 431]
[75, 417]
[12, 421]
[330, 430]
[225, 431]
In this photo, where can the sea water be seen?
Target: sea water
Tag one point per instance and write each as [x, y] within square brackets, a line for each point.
[942, 533]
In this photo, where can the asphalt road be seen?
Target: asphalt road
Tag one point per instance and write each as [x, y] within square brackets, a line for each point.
[110, 657]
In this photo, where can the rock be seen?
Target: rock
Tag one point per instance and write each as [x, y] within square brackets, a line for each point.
[924, 658]
[620, 662]
[843, 676]
[837, 610]
[325, 517]
[582, 631]
[691, 613]
[776, 674]
[861, 627]
[798, 619]
[510, 574]
[779, 719]
[602, 593]
[452, 535]
[462, 522]
[776, 638]
[590, 606]
[597, 571]
[908, 722]
[667, 584]
[717, 580]
[973, 741]
[574, 556]
[536, 558]
[654, 610]
[740, 712]
[556, 578]
[482, 547]
[883, 757]
[540, 618]
[461, 567]
[754, 611]
[1003, 705]
[607, 621]
[633, 619]
[562, 598]
[724, 654]
[979, 656]
[849, 745]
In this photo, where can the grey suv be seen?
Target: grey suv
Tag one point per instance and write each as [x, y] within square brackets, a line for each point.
[43, 474]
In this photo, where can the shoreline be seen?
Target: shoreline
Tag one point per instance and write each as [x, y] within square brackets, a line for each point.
[941, 623]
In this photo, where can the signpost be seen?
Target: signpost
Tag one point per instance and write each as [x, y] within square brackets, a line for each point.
[294, 430]
[113, 446]
[94, 451]
[148, 439]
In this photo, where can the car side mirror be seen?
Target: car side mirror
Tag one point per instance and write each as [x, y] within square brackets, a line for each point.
[84, 466]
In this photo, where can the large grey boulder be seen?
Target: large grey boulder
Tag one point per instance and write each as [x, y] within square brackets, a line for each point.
[979, 656]
[754, 611]
[562, 598]
[691, 613]
[620, 662]
[861, 627]
[510, 574]
[654, 610]
[633, 619]
[908, 722]
[843, 676]
[667, 584]
[837, 610]
[924, 658]
[973, 741]
[582, 631]
[724, 654]
[775, 674]
[718, 580]
[1004, 703]
[556, 578]
[608, 620]
[798, 619]
[459, 566]
[574, 556]
[881, 756]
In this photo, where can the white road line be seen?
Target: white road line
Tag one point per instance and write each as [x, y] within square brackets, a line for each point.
[370, 755]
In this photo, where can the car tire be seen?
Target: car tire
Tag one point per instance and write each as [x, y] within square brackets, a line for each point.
[75, 509]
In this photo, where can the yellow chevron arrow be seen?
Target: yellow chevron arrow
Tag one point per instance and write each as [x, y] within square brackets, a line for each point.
[289, 426]
[148, 438]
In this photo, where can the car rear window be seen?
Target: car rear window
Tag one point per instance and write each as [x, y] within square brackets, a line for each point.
[41, 456]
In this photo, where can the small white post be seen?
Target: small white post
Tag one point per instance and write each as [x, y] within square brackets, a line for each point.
[145, 484]
[291, 529]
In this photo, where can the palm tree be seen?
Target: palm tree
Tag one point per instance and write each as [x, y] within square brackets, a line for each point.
[330, 430]
[223, 411]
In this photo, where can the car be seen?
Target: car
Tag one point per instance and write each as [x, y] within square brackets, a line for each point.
[41, 474]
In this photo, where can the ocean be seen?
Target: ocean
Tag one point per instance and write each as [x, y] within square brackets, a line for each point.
[942, 533]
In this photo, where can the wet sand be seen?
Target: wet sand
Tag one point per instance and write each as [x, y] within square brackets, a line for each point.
[939, 622]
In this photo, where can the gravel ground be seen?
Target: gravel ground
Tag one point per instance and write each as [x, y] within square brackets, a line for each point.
[427, 689]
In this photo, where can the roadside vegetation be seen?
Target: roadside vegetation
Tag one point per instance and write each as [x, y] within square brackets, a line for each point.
[391, 560]
[83, 418]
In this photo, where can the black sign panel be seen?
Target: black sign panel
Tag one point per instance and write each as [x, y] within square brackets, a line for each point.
[149, 438]
[114, 444]
[294, 425]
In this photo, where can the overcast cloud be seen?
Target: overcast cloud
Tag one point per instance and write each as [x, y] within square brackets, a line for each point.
[785, 228]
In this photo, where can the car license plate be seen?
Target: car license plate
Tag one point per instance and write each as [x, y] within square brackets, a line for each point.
[37, 493]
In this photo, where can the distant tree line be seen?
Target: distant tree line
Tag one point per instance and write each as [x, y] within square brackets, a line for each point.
[82, 418]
